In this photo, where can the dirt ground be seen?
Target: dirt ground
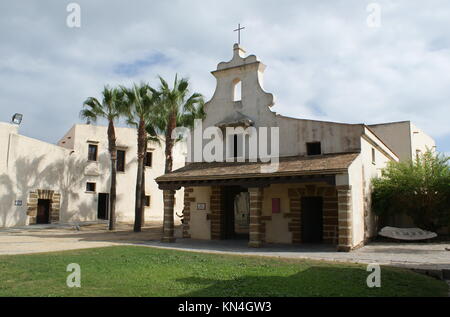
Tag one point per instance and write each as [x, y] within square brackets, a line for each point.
[35, 239]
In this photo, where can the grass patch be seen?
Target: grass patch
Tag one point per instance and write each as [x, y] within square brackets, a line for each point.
[143, 271]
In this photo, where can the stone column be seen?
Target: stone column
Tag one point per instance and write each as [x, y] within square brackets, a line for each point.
[256, 197]
[55, 208]
[168, 225]
[294, 215]
[345, 217]
[217, 215]
[32, 205]
[187, 211]
[330, 216]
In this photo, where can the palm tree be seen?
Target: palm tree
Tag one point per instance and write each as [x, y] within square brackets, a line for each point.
[176, 108]
[140, 102]
[111, 108]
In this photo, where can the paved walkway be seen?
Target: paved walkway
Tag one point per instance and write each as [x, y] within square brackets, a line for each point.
[48, 238]
[426, 256]
[420, 256]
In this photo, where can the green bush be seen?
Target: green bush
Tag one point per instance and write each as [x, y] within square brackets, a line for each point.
[419, 189]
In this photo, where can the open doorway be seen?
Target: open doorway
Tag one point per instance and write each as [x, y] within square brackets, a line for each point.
[43, 211]
[103, 206]
[312, 219]
[236, 213]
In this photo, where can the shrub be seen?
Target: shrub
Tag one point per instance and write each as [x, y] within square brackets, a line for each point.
[419, 189]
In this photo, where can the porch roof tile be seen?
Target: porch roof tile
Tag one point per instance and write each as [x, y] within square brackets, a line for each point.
[288, 166]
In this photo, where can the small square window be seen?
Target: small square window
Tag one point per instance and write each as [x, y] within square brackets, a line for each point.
[92, 152]
[147, 201]
[148, 159]
[313, 148]
[90, 187]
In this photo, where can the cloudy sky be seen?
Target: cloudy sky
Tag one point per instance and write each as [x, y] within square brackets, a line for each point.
[324, 61]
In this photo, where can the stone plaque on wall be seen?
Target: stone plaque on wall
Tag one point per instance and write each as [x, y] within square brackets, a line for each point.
[201, 206]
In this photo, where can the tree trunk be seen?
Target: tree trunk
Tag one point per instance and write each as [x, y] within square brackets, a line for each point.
[168, 226]
[169, 143]
[142, 139]
[143, 187]
[112, 193]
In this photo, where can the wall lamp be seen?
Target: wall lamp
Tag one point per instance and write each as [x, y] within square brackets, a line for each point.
[17, 118]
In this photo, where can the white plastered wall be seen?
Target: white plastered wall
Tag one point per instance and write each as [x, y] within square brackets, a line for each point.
[360, 174]
[277, 230]
[85, 206]
[199, 225]
[28, 164]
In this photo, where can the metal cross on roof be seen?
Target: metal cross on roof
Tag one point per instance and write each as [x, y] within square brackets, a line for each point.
[239, 32]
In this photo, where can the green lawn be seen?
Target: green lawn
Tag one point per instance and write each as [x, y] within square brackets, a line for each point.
[142, 271]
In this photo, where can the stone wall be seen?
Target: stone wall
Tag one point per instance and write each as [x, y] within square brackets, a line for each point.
[217, 215]
[256, 227]
[345, 218]
[188, 191]
[168, 224]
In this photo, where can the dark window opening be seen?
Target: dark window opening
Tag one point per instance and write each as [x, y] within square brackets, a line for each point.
[90, 187]
[147, 201]
[373, 156]
[120, 161]
[148, 159]
[313, 148]
[92, 152]
[235, 145]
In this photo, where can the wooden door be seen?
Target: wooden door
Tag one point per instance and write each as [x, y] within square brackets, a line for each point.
[312, 219]
[103, 206]
[43, 212]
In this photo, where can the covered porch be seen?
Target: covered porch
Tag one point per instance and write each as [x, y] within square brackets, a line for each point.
[304, 201]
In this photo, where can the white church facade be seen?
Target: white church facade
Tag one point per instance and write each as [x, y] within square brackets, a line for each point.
[320, 192]
[69, 182]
